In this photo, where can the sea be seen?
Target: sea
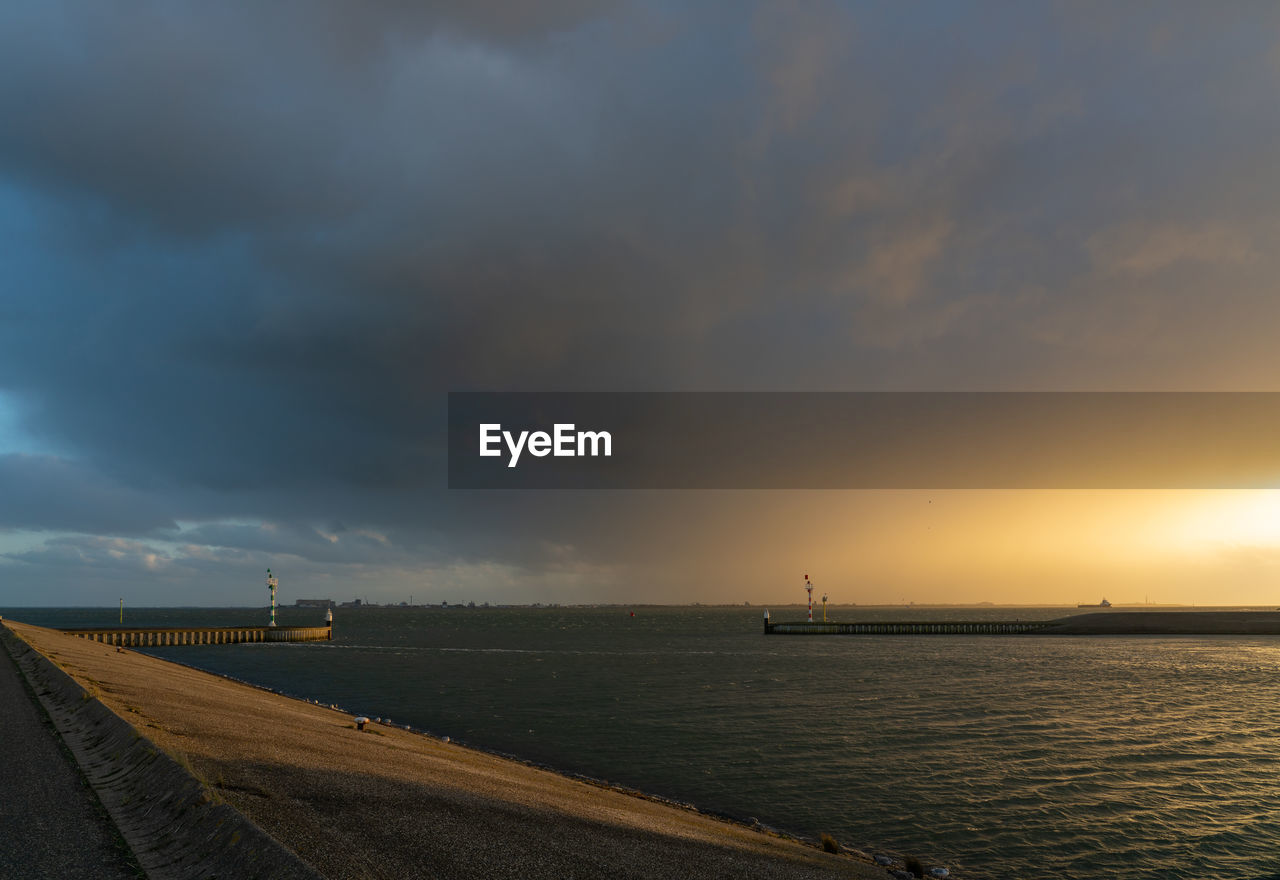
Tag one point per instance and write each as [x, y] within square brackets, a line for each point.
[994, 756]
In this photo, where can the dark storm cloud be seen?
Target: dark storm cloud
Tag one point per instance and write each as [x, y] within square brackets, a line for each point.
[43, 493]
[247, 248]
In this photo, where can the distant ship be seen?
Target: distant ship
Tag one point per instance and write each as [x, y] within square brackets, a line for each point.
[1103, 604]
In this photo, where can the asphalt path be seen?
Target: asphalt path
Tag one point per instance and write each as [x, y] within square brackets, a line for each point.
[51, 823]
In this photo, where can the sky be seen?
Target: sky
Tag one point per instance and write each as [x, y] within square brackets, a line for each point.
[247, 249]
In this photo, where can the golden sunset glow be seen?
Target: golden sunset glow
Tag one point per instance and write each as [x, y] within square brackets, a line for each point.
[1039, 547]
[1225, 519]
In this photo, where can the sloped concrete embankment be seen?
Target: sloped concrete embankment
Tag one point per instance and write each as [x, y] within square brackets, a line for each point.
[175, 828]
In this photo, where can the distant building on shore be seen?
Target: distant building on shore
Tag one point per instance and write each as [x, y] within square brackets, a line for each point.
[313, 603]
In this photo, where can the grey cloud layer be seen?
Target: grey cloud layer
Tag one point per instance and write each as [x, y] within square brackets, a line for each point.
[248, 248]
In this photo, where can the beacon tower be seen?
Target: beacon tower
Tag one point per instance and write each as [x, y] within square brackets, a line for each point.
[271, 585]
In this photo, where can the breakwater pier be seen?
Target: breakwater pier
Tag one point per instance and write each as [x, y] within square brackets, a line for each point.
[162, 636]
[906, 627]
[1118, 623]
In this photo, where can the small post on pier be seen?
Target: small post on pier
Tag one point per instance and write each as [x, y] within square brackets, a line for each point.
[122, 609]
[766, 621]
[271, 585]
[824, 607]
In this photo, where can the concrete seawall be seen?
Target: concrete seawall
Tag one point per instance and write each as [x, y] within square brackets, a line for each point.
[171, 822]
[389, 803]
[161, 636]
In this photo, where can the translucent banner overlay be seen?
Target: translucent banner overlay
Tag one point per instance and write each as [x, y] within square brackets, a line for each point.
[865, 440]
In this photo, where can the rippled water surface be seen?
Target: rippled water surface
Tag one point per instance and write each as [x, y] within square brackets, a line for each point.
[1004, 756]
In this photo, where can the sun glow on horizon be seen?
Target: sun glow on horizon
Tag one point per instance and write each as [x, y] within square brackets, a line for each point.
[1249, 518]
[1037, 547]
